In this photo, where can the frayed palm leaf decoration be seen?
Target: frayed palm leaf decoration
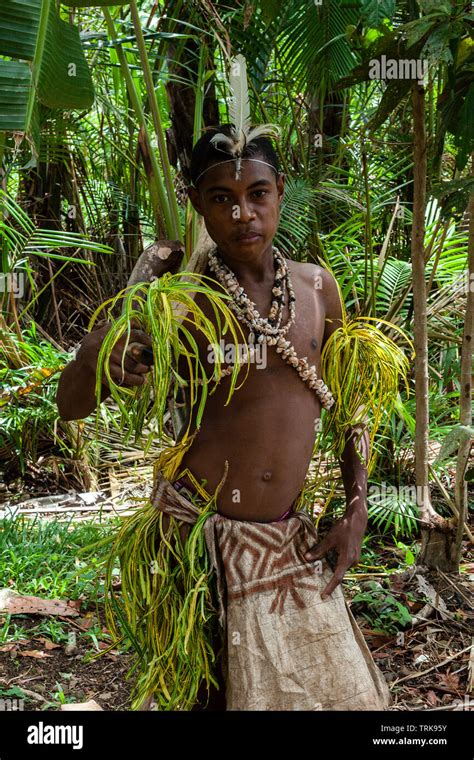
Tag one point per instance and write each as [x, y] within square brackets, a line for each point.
[166, 607]
[166, 611]
[364, 369]
[165, 308]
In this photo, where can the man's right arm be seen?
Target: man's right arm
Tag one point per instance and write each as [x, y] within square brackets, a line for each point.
[76, 397]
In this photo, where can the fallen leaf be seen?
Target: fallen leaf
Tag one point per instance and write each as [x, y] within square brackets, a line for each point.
[86, 622]
[48, 644]
[432, 698]
[37, 653]
[90, 705]
[16, 604]
[7, 647]
[448, 681]
[19, 641]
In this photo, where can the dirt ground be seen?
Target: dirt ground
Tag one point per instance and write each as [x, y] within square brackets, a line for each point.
[81, 679]
[426, 668]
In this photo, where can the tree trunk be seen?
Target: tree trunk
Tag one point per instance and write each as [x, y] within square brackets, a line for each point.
[465, 413]
[182, 102]
[438, 548]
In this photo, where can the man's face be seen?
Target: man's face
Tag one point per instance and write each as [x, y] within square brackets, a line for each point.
[234, 208]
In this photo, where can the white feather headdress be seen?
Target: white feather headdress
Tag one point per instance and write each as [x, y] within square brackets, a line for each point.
[239, 115]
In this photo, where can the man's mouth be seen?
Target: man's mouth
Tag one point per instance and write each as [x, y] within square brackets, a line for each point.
[248, 237]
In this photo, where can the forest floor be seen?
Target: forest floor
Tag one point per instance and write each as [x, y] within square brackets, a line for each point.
[427, 669]
[45, 657]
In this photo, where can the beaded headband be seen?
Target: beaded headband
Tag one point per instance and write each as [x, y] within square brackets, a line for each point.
[193, 184]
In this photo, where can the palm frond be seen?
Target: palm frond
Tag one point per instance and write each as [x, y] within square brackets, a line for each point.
[363, 368]
[164, 308]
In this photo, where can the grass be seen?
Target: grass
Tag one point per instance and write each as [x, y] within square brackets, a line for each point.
[41, 558]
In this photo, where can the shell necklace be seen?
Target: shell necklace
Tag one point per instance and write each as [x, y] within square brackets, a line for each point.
[268, 329]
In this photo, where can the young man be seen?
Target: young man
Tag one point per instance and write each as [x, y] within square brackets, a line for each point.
[290, 641]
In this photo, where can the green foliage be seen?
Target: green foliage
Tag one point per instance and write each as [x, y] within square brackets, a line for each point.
[28, 410]
[315, 50]
[40, 557]
[384, 613]
[393, 509]
[375, 13]
[409, 558]
[56, 74]
[21, 239]
[295, 219]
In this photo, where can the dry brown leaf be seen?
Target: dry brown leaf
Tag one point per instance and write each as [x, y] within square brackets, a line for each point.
[432, 698]
[8, 647]
[448, 681]
[16, 604]
[48, 644]
[36, 653]
[90, 705]
[86, 622]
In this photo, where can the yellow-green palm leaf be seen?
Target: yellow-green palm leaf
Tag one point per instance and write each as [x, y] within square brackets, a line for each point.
[166, 309]
[364, 368]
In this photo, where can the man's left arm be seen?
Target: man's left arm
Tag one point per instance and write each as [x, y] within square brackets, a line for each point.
[347, 533]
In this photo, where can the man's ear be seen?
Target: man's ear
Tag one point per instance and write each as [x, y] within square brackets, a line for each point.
[281, 186]
[195, 199]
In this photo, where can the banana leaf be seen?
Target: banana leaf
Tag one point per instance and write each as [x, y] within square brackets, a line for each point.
[49, 63]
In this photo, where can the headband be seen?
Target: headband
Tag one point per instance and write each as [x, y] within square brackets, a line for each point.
[228, 161]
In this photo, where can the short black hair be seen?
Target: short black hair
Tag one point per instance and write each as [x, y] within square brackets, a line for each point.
[205, 153]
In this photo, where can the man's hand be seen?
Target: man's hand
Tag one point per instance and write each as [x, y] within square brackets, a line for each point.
[345, 536]
[133, 372]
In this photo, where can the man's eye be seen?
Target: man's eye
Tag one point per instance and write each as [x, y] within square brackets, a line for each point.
[261, 191]
[218, 197]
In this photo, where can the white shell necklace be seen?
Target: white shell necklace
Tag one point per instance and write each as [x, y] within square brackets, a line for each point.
[268, 329]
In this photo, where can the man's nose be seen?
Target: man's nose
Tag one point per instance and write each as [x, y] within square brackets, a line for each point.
[246, 210]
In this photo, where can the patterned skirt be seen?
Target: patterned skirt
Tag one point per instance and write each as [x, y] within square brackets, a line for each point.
[283, 647]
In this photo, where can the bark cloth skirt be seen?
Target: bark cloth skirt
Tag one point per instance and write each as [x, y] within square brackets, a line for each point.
[283, 648]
